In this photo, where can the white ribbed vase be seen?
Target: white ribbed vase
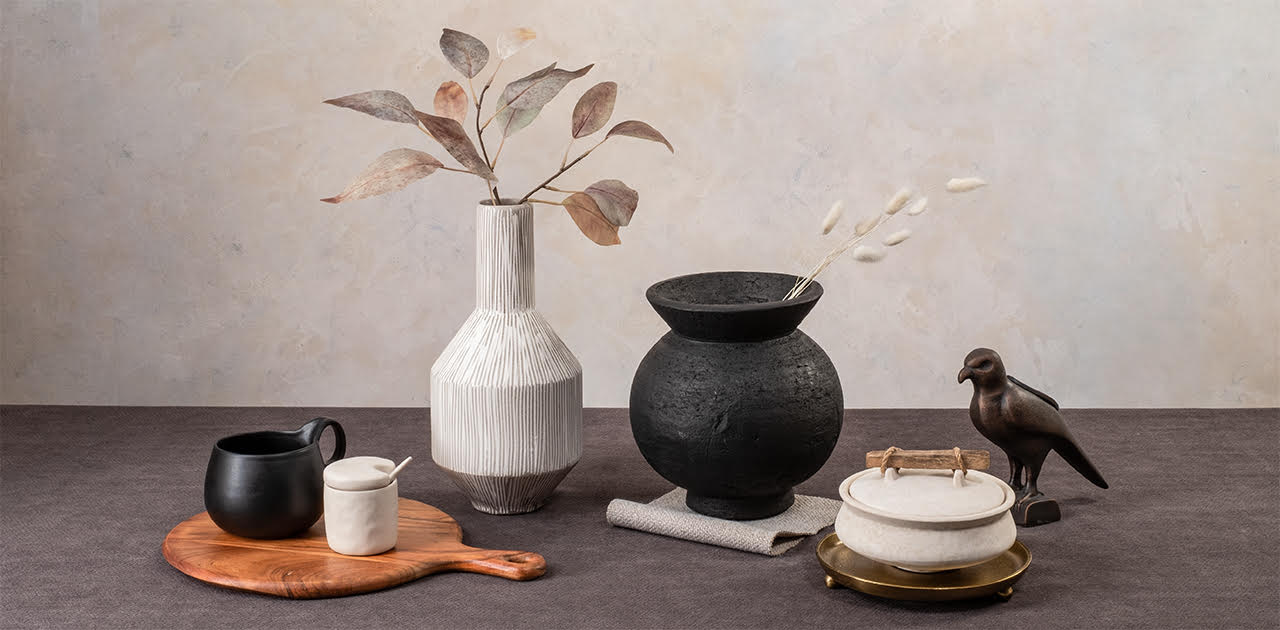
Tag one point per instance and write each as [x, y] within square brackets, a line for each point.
[506, 394]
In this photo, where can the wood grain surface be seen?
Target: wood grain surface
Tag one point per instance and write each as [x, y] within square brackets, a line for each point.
[429, 541]
[973, 460]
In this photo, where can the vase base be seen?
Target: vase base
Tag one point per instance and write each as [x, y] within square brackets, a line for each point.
[503, 495]
[740, 508]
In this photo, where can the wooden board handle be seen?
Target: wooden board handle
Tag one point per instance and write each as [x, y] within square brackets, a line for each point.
[513, 565]
[938, 460]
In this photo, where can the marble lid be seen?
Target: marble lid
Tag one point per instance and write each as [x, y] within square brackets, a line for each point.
[359, 473]
[928, 493]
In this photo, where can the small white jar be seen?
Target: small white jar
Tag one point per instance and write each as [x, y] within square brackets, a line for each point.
[361, 506]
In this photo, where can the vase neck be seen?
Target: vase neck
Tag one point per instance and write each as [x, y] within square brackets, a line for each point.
[504, 257]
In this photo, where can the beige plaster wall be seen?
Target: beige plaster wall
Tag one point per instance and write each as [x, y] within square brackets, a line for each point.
[163, 242]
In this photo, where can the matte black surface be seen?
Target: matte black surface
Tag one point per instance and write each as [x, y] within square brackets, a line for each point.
[732, 305]
[269, 484]
[1185, 538]
[737, 421]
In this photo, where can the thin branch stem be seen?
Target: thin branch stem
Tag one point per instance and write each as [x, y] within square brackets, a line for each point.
[456, 170]
[492, 76]
[472, 86]
[492, 116]
[561, 190]
[549, 203]
[839, 250]
[501, 143]
[492, 189]
[565, 157]
[561, 171]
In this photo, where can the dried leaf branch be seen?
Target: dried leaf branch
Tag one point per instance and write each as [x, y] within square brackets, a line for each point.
[633, 128]
[392, 171]
[469, 56]
[598, 211]
[560, 172]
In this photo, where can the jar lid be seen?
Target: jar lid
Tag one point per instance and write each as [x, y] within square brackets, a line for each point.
[359, 473]
[928, 493]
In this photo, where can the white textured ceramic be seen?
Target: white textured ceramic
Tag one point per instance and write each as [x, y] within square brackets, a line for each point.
[926, 520]
[506, 393]
[359, 473]
[361, 522]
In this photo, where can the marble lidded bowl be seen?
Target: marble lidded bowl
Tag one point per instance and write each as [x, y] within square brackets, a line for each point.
[926, 520]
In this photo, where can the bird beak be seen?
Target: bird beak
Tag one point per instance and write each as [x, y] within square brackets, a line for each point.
[964, 375]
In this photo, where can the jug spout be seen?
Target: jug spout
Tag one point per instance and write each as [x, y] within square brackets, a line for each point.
[311, 431]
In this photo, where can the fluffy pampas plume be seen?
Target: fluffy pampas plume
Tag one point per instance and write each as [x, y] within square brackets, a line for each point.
[897, 202]
[833, 217]
[864, 253]
[965, 184]
[897, 237]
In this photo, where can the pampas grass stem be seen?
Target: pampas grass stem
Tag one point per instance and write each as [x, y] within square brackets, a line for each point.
[864, 228]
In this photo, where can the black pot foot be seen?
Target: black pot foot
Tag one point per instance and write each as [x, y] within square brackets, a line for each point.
[740, 508]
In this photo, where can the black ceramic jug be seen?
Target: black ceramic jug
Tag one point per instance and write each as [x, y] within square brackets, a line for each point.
[270, 484]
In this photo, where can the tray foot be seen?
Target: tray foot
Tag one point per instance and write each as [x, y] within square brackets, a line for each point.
[1005, 594]
[831, 582]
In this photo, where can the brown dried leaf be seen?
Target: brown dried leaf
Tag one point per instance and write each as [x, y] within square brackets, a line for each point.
[615, 199]
[449, 133]
[584, 212]
[383, 104]
[513, 41]
[392, 171]
[464, 52]
[594, 109]
[637, 129]
[451, 101]
[537, 89]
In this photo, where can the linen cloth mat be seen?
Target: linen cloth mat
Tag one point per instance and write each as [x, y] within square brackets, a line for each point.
[668, 515]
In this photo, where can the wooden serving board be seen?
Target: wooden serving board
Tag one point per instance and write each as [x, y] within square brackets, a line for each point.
[429, 541]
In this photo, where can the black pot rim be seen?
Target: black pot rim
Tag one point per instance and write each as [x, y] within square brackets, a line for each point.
[810, 295]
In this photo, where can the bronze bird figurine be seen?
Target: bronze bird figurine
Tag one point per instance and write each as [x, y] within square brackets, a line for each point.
[1022, 421]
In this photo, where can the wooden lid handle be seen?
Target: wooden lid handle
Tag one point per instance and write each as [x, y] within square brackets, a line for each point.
[938, 460]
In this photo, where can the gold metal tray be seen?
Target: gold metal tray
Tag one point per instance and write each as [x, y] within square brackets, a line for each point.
[993, 578]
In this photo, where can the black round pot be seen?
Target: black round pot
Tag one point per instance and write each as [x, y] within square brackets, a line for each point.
[735, 404]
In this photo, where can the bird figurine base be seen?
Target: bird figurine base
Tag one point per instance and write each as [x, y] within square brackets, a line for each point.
[1033, 511]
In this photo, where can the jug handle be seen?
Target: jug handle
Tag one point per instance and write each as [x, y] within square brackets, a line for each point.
[311, 433]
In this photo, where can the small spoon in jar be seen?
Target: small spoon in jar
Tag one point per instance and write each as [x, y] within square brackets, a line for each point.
[396, 471]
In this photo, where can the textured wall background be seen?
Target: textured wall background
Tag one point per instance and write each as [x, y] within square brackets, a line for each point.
[163, 242]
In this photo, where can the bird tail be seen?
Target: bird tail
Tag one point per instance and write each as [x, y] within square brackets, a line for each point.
[1069, 451]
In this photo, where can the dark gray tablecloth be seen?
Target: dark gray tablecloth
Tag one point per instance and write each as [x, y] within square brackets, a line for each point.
[1185, 538]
